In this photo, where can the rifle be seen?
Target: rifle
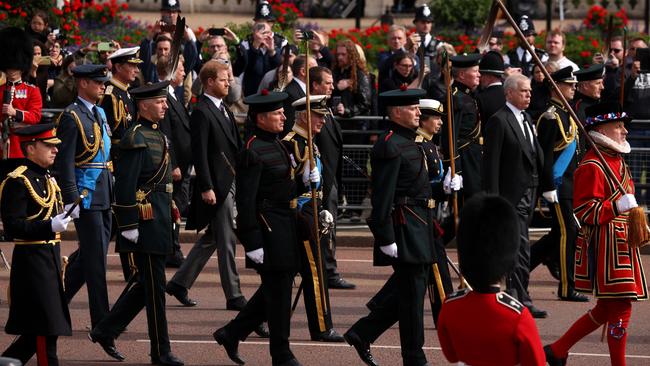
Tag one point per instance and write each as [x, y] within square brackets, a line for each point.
[638, 234]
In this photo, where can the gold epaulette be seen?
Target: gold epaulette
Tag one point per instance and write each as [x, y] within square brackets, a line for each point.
[47, 203]
[108, 90]
[18, 172]
[289, 136]
[419, 139]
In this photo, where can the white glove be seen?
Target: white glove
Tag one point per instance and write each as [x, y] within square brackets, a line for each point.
[75, 213]
[131, 235]
[626, 203]
[452, 184]
[256, 255]
[390, 250]
[550, 196]
[326, 220]
[60, 223]
[310, 175]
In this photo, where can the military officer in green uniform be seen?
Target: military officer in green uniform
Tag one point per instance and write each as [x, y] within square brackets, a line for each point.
[266, 226]
[143, 191]
[590, 86]
[402, 225]
[312, 271]
[33, 217]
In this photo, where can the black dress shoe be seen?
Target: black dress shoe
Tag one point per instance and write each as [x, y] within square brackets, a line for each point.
[575, 297]
[229, 344]
[262, 331]
[553, 269]
[341, 284]
[291, 362]
[551, 359]
[180, 293]
[537, 313]
[108, 345]
[362, 347]
[328, 336]
[167, 359]
[237, 304]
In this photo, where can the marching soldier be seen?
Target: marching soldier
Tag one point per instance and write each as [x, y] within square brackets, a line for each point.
[267, 228]
[558, 136]
[83, 167]
[312, 272]
[590, 87]
[401, 224]
[117, 102]
[22, 102]
[486, 325]
[33, 217]
[143, 204]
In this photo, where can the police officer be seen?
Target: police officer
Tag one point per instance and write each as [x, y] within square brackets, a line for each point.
[143, 202]
[400, 223]
[314, 282]
[83, 168]
[557, 133]
[33, 217]
[423, 22]
[267, 228]
[519, 57]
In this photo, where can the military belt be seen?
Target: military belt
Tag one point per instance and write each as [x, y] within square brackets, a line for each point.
[105, 165]
[158, 187]
[277, 204]
[55, 241]
[409, 201]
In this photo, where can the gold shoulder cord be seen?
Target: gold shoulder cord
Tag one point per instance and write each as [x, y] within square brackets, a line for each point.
[47, 203]
[565, 139]
[91, 148]
[119, 112]
[300, 159]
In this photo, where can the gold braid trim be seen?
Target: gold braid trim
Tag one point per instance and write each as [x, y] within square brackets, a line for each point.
[565, 139]
[119, 112]
[48, 203]
[91, 148]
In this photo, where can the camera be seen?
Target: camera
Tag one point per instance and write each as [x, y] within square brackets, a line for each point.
[216, 31]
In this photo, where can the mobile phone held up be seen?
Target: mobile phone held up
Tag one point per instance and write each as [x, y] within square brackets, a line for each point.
[216, 31]
[104, 46]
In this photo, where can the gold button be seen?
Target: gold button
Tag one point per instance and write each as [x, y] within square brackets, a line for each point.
[154, 126]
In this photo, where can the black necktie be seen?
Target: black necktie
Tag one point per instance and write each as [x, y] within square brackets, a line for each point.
[231, 128]
[527, 132]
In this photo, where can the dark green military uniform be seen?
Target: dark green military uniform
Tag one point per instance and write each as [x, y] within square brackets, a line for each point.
[401, 214]
[38, 312]
[266, 220]
[143, 191]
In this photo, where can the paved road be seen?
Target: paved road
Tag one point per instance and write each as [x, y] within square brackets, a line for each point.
[191, 328]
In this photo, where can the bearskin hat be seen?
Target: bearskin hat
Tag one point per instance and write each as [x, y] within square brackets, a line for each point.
[488, 240]
[17, 49]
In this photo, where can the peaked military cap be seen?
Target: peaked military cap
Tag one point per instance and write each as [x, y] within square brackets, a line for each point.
[402, 96]
[263, 12]
[491, 63]
[593, 72]
[564, 75]
[317, 104]
[151, 91]
[605, 112]
[423, 13]
[170, 5]
[45, 132]
[124, 55]
[431, 107]
[92, 72]
[465, 60]
[527, 26]
[266, 101]
[643, 56]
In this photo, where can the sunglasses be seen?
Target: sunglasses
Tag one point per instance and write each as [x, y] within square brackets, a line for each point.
[616, 50]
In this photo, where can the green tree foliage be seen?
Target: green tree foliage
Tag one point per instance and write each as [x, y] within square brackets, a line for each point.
[468, 14]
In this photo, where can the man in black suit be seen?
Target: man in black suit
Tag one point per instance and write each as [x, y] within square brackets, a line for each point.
[491, 97]
[513, 160]
[176, 126]
[215, 142]
[297, 88]
[330, 143]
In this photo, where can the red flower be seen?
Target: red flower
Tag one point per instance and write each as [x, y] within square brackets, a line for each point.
[368, 46]
[585, 54]
[127, 38]
[103, 20]
[595, 43]
[23, 14]
[581, 38]
[67, 27]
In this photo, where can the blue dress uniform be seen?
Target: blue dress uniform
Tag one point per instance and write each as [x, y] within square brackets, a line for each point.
[312, 271]
[143, 191]
[82, 166]
[38, 312]
[402, 214]
[267, 220]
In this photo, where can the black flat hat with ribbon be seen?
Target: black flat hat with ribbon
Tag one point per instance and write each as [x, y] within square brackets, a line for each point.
[401, 97]
[605, 112]
[266, 101]
[593, 72]
[151, 91]
[465, 60]
[564, 75]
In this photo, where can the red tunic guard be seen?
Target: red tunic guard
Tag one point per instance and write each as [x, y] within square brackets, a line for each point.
[27, 101]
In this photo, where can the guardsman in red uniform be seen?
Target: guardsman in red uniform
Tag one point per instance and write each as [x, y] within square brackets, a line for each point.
[22, 101]
[605, 265]
[485, 326]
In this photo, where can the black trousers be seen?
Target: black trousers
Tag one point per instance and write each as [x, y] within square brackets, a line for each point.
[25, 346]
[559, 245]
[147, 291]
[445, 277]
[314, 287]
[271, 302]
[328, 242]
[517, 280]
[472, 160]
[87, 264]
[402, 301]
